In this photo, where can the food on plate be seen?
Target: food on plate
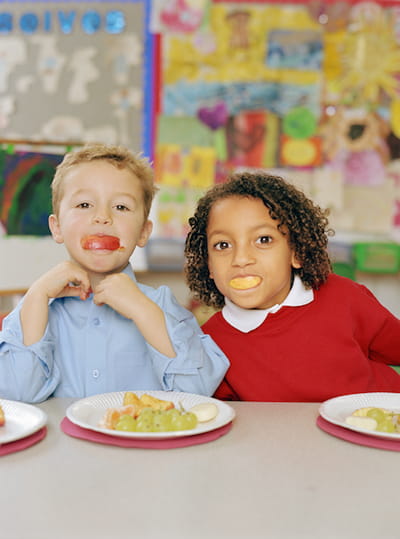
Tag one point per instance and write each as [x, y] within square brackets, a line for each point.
[2, 417]
[375, 419]
[147, 401]
[243, 283]
[205, 411]
[147, 414]
[101, 242]
[113, 415]
[150, 420]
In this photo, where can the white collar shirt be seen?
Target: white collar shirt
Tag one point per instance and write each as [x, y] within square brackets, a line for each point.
[246, 320]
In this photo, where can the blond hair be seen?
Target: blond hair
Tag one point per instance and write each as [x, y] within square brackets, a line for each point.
[118, 156]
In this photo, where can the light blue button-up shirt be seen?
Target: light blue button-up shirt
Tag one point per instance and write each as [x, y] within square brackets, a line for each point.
[89, 349]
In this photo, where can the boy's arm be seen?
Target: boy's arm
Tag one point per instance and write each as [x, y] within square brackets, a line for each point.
[197, 365]
[123, 295]
[55, 283]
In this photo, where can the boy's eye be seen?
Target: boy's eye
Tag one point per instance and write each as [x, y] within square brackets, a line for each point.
[221, 245]
[83, 205]
[264, 239]
[122, 207]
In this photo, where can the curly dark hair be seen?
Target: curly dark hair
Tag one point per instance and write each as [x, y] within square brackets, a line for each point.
[305, 223]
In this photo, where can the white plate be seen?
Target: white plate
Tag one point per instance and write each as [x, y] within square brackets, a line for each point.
[21, 420]
[88, 413]
[336, 410]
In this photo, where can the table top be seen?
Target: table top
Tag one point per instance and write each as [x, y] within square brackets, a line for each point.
[274, 475]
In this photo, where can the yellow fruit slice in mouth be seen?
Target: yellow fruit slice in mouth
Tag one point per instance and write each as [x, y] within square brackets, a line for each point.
[243, 283]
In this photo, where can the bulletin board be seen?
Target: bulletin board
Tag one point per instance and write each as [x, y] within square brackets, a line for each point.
[309, 90]
[75, 71]
[71, 72]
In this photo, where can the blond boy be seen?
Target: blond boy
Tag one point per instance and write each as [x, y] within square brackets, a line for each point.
[87, 326]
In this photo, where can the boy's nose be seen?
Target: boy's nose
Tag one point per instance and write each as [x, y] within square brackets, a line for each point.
[102, 218]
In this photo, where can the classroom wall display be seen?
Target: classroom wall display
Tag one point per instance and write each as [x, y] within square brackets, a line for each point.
[307, 89]
[70, 72]
[75, 71]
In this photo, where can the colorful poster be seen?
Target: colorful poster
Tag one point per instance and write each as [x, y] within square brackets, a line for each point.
[25, 194]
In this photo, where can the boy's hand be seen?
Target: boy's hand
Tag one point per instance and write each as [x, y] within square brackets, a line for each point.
[124, 296]
[119, 292]
[65, 279]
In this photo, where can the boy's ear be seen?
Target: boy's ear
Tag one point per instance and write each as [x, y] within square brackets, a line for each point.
[55, 229]
[145, 234]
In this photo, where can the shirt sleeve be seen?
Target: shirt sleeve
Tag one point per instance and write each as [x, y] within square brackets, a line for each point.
[199, 364]
[27, 373]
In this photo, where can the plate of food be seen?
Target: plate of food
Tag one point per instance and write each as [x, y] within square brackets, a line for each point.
[150, 415]
[19, 420]
[375, 414]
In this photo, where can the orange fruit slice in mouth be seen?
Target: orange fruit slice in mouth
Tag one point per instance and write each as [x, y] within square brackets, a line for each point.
[243, 283]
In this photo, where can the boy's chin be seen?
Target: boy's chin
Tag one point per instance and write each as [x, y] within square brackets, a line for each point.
[102, 265]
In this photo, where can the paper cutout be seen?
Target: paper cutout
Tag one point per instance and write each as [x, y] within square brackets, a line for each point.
[7, 107]
[63, 128]
[181, 15]
[199, 169]
[185, 130]
[185, 98]
[333, 16]
[296, 152]
[173, 208]
[214, 117]
[50, 62]
[12, 54]
[84, 71]
[239, 29]
[354, 141]
[124, 54]
[125, 99]
[370, 57]
[295, 49]
[177, 167]
[245, 134]
[299, 123]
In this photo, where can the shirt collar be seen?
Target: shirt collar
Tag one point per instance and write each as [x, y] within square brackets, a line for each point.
[246, 320]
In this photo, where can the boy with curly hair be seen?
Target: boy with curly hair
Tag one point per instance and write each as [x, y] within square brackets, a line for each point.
[292, 330]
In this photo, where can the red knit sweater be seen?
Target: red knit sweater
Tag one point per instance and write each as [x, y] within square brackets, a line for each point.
[340, 343]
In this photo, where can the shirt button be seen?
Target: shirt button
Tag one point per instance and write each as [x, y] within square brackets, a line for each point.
[95, 373]
[96, 322]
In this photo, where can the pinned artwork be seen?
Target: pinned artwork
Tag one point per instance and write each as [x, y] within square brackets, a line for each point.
[300, 152]
[295, 49]
[182, 16]
[246, 136]
[311, 87]
[25, 194]
[355, 142]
